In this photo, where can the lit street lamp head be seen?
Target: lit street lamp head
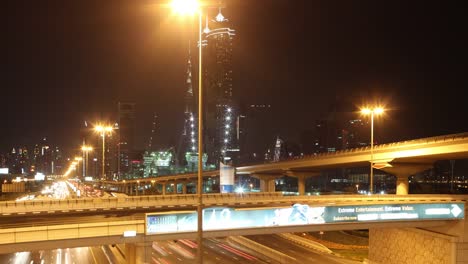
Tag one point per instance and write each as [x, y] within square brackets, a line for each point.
[185, 7]
[376, 111]
[86, 148]
[101, 128]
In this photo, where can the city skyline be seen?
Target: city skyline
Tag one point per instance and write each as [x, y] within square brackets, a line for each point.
[71, 62]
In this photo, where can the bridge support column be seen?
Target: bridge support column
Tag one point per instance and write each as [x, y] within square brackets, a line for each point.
[267, 182]
[402, 171]
[402, 184]
[301, 179]
[138, 253]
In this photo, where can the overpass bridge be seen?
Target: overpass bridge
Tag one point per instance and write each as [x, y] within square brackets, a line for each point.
[443, 230]
[401, 159]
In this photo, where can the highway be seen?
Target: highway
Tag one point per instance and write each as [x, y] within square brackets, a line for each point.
[215, 250]
[162, 252]
[97, 255]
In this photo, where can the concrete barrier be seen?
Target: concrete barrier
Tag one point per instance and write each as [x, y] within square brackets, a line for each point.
[305, 242]
[266, 251]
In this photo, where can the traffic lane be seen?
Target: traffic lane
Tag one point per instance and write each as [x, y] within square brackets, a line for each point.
[230, 252]
[185, 251]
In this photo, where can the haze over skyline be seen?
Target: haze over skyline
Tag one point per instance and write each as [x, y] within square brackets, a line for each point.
[67, 62]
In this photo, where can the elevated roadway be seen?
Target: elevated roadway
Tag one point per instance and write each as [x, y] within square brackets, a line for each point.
[74, 227]
[401, 159]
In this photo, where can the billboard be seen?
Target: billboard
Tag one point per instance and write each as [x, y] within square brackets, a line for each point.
[226, 178]
[220, 218]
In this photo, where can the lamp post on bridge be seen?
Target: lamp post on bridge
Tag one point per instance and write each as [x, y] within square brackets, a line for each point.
[86, 150]
[190, 7]
[102, 130]
[372, 112]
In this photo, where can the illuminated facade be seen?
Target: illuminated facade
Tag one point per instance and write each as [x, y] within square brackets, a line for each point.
[221, 133]
[190, 148]
[126, 137]
[157, 163]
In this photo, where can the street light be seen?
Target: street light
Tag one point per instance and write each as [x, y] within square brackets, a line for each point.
[86, 150]
[102, 130]
[185, 7]
[77, 160]
[372, 111]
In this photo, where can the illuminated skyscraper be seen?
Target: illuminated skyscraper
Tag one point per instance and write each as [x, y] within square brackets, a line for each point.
[221, 133]
[190, 125]
[189, 149]
[126, 139]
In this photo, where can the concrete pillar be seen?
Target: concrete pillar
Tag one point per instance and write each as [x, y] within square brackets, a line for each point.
[301, 176]
[301, 185]
[138, 253]
[402, 184]
[267, 182]
[402, 171]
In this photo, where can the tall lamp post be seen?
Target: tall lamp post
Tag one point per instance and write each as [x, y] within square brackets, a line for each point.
[372, 112]
[186, 7]
[77, 160]
[102, 130]
[86, 150]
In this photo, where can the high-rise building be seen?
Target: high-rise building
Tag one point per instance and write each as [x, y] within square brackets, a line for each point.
[189, 150]
[126, 137]
[220, 110]
[340, 129]
[256, 132]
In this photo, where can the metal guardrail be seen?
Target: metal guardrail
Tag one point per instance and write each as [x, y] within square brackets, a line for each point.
[177, 202]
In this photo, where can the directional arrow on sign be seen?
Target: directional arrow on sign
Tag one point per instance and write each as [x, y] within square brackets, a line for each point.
[455, 210]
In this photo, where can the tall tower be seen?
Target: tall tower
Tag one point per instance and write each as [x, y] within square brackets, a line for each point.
[126, 139]
[220, 112]
[149, 147]
[189, 149]
[190, 126]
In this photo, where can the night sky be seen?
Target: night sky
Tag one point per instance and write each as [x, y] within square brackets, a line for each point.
[64, 62]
